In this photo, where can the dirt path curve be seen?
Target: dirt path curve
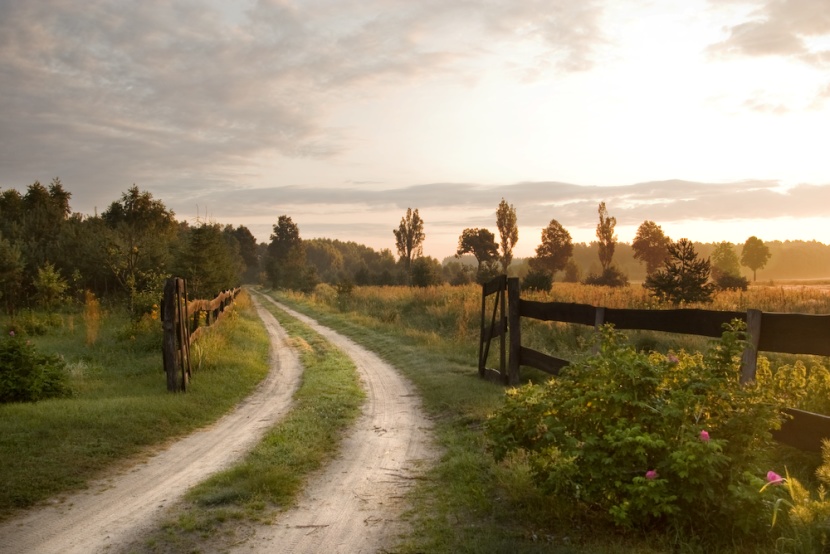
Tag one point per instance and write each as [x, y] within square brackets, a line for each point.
[354, 505]
[114, 511]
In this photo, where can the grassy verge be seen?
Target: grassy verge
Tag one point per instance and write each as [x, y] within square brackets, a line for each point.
[120, 406]
[469, 503]
[217, 512]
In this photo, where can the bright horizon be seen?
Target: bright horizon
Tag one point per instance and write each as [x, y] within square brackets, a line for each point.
[708, 117]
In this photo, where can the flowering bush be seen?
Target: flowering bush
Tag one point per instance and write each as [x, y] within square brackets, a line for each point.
[26, 375]
[648, 439]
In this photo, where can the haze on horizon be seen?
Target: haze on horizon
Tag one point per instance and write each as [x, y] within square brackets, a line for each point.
[708, 117]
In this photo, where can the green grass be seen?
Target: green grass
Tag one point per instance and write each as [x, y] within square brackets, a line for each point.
[469, 503]
[269, 478]
[120, 407]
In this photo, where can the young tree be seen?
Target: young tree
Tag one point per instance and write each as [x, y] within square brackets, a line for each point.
[754, 255]
[481, 243]
[650, 246]
[605, 235]
[409, 238]
[554, 251]
[684, 277]
[426, 272]
[508, 232]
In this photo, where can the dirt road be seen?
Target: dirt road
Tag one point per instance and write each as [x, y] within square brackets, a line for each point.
[352, 506]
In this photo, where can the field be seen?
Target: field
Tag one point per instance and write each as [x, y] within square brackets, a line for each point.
[468, 503]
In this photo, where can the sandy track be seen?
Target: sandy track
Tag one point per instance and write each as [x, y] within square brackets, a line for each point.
[354, 505]
[114, 511]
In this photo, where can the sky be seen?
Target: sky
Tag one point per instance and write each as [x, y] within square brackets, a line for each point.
[709, 117]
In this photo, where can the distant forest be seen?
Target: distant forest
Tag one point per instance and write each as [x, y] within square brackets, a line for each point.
[49, 254]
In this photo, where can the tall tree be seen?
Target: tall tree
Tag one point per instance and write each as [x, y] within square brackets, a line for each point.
[754, 255]
[208, 261]
[724, 259]
[139, 248]
[287, 266]
[409, 238]
[481, 243]
[606, 237]
[508, 232]
[248, 250]
[684, 277]
[554, 251]
[11, 274]
[650, 246]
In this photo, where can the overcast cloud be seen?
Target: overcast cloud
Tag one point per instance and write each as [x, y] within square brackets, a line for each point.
[245, 110]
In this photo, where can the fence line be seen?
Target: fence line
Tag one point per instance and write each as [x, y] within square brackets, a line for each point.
[788, 333]
[181, 324]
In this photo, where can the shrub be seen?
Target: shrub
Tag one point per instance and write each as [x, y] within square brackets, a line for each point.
[26, 375]
[610, 277]
[728, 281]
[540, 280]
[648, 439]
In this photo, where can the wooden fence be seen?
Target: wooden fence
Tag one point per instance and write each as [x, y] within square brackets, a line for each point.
[182, 324]
[769, 332]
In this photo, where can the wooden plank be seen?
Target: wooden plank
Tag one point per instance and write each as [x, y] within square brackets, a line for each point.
[497, 284]
[566, 312]
[795, 333]
[707, 323]
[804, 431]
[540, 361]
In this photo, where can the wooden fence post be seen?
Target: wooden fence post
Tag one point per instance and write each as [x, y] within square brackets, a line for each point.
[515, 326]
[749, 358]
[168, 345]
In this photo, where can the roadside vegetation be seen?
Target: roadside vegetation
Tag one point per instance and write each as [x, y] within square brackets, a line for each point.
[474, 503]
[115, 405]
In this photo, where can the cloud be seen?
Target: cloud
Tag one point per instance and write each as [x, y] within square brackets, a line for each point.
[780, 28]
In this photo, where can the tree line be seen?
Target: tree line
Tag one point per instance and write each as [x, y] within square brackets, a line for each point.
[49, 254]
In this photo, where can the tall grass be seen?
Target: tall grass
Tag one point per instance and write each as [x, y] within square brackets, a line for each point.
[120, 406]
[469, 503]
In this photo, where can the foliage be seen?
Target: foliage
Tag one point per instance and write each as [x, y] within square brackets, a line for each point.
[426, 272]
[554, 251]
[209, 260]
[409, 237]
[49, 286]
[727, 281]
[796, 385]
[286, 265]
[724, 259]
[606, 237]
[610, 277]
[11, 273]
[754, 255]
[651, 246]
[481, 243]
[28, 376]
[537, 280]
[508, 232]
[684, 277]
[802, 517]
[648, 439]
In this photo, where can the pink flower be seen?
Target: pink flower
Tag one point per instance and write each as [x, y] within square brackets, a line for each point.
[11, 333]
[672, 359]
[773, 478]
[704, 435]
[651, 474]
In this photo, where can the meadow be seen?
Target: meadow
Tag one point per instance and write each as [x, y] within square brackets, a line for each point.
[469, 502]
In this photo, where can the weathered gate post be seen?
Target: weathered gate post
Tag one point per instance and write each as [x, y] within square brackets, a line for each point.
[168, 344]
[515, 327]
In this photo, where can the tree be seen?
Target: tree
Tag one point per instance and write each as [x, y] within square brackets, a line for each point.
[49, 286]
[481, 243]
[287, 267]
[508, 232]
[650, 246]
[11, 273]
[138, 253]
[726, 273]
[605, 235]
[554, 251]
[248, 250]
[426, 272]
[754, 255]
[409, 238]
[208, 261]
[684, 277]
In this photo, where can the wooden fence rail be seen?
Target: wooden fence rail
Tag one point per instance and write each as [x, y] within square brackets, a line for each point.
[182, 325]
[768, 332]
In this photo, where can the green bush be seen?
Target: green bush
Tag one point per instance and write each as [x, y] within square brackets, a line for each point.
[645, 439]
[26, 376]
